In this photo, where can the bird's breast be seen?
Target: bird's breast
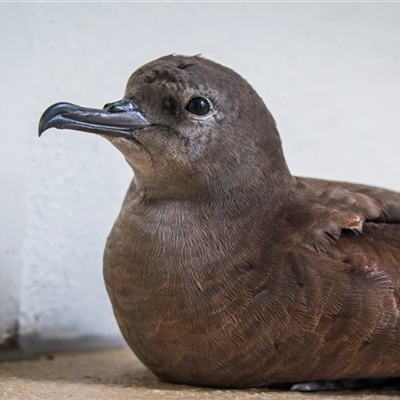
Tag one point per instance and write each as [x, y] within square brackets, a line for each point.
[180, 293]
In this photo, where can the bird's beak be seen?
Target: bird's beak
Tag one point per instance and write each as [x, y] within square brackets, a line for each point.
[117, 119]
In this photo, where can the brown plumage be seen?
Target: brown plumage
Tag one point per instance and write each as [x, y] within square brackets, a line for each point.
[222, 268]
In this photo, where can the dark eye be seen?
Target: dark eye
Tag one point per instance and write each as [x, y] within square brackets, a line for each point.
[198, 106]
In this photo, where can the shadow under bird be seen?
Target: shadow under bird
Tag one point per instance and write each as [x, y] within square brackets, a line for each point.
[223, 269]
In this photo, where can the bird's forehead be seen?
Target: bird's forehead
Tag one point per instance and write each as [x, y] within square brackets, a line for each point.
[184, 74]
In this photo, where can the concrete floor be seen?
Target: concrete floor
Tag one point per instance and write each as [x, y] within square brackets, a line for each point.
[118, 374]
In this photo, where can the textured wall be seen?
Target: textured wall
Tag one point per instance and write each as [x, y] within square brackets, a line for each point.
[328, 72]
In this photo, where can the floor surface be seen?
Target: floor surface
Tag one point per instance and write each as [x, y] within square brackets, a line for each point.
[118, 374]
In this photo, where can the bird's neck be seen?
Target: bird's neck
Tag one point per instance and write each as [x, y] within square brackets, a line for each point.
[197, 234]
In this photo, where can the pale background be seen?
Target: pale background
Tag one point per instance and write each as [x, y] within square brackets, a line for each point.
[329, 73]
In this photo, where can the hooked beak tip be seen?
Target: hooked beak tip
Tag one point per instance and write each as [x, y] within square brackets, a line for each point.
[118, 119]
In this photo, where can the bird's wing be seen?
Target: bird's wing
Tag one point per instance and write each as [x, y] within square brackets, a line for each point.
[357, 225]
[387, 201]
[339, 206]
[355, 279]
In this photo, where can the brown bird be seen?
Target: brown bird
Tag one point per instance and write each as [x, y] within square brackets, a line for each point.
[225, 270]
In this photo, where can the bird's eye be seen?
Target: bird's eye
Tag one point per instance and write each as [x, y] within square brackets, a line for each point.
[198, 106]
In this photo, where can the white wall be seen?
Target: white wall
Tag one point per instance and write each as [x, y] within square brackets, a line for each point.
[330, 74]
[13, 163]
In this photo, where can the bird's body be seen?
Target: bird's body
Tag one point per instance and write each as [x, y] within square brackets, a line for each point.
[253, 301]
[223, 269]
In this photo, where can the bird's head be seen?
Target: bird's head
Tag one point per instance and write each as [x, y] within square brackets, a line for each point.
[187, 126]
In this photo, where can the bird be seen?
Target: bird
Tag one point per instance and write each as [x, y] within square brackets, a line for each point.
[225, 270]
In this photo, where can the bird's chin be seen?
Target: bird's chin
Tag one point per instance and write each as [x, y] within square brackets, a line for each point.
[135, 152]
[124, 140]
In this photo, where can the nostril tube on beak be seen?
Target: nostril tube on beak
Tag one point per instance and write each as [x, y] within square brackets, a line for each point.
[120, 106]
